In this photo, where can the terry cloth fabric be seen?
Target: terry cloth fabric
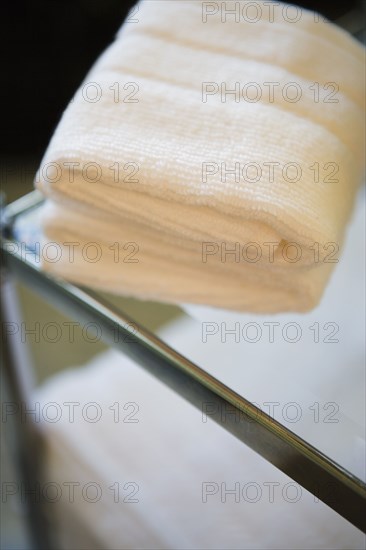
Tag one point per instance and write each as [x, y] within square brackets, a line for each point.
[211, 158]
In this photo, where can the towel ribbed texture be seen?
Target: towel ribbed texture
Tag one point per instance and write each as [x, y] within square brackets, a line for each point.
[300, 163]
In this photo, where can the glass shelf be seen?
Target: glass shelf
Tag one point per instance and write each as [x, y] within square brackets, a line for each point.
[289, 386]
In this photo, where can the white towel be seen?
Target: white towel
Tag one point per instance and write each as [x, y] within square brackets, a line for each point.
[167, 459]
[140, 162]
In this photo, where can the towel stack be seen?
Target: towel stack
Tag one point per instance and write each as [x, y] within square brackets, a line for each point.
[212, 156]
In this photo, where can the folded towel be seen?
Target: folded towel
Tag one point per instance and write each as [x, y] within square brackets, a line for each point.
[211, 158]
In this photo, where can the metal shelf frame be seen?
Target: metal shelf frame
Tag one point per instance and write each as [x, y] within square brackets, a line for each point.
[327, 480]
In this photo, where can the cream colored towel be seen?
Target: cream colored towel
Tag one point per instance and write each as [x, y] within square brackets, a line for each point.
[209, 158]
